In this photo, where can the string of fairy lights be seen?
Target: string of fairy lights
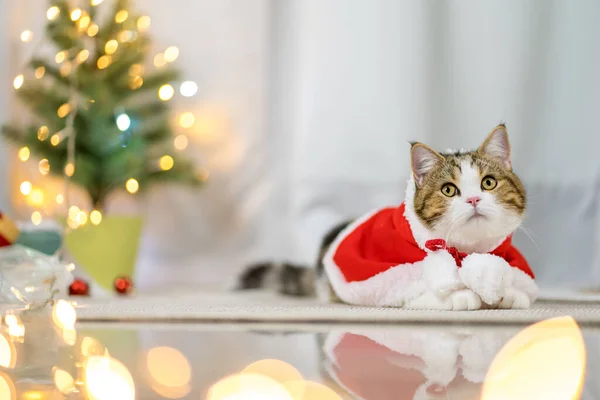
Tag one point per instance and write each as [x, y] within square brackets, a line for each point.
[34, 195]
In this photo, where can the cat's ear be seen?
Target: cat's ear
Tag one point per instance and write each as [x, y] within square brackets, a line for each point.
[422, 160]
[497, 146]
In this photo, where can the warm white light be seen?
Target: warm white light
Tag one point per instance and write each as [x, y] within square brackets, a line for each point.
[75, 14]
[136, 70]
[36, 218]
[121, 16]
[132, 185]
[248, 387]
[43, 133]
[166, 162]
[111, 46]
[169, 371]
[73, 212]
[84, 22]
[304, 390]
[55, 139]
[136, 82]
[180, 142]
[60, 199]
[25, 187]
[166, 92]
[60, 56]
[143, 23]
[36, 198]
[63, 381]
[92, 347]
[7, 387]
[96, 217]
[127, 36]
[18, 82]
[96, 2]
[40, 72]
[188, 88]
[64, 315]
[70, 169]
[82, 218]
[159, 60]
[171, 54]
[108, 379]
[8, 352]
[521, 370]
[44, 166]
[26, 36]
[52, 13]
[123, 122]
[187, 120]
[83, 55]
[278, 370]
[24, 153]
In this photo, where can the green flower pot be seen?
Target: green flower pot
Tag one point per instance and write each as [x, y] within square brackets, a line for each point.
[108, 250]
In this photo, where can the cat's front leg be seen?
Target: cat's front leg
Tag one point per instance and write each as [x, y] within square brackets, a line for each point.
[497, 283]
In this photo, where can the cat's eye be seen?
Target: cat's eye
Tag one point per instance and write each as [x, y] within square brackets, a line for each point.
[449, 190]
[489, 183]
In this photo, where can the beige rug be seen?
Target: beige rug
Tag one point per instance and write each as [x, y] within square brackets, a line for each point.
[263, 307]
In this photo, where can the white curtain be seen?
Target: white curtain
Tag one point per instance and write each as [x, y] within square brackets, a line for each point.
[308, 106]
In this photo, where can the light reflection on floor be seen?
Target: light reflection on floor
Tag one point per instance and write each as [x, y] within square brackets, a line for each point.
[299, 362]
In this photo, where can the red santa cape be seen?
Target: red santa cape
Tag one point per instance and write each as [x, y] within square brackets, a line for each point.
[378, 261]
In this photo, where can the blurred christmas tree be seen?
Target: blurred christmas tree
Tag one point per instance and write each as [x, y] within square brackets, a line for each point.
[97, 90]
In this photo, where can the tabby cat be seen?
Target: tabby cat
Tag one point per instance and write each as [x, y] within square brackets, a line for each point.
[447, 246]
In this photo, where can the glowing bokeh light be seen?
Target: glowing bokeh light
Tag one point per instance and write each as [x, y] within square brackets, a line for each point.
[64, 315]
[108, 379]
[52, 13]
[96, 217]
[123, 122]
[188, 88]
[18, 82]
[63, 381]
[169, 371]
[24, 153]
[276, 369]
[132, 185]
[166, 92]
[8, 352]
[248, 387]
[25, 187]
[26, 36]
[180, 142]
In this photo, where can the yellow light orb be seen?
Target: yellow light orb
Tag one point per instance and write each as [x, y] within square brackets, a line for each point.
[187, 120]
[180, 142]
[93, 30]
[44, 166]
[64, 314]
[36, 198]
[84, 22]
[64, 110]
[52, 13]
[55, 139]
[111, 46]
[25, 187]
[96, 2]
[83, 55]
[136, 70]
[70, 169]
[278, 370]
[166, 162]
[24, 153]
[73, 212]
[106, 378]
[96, 217]
[65, 69]
[132, 186]
[159, 60]
[136, 82]
[248, 386]
[171, 54]
[75, 14]
[143, 23]
[26, 36]
[168, 367]
[43, 133]
[40, 72]
[36, 218]
[18, 82]
[60, 57]
[104, 62]
[63, 381]
[8, 352]
[60, 199]
[121, 16]
[82, 218]
[166, 92]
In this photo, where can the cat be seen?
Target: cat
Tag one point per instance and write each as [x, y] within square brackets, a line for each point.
[447, 246]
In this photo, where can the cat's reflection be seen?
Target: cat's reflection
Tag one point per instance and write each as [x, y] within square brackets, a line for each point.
[416, 364]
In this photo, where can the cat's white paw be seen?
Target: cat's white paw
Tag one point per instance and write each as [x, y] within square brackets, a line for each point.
[487, 275]
[465, 299]
[441, 273]
[514, 299]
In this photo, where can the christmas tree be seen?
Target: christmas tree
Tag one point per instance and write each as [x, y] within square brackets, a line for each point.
[97, 116]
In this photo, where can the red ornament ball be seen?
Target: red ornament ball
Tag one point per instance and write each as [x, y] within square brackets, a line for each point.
[123, 285]
[79, 287]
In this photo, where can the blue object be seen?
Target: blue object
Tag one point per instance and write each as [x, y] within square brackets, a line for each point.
[44, 241]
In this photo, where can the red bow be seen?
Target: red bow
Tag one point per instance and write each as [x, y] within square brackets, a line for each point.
[440, 244]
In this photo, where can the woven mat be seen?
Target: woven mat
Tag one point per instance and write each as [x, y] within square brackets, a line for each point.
[263, 307]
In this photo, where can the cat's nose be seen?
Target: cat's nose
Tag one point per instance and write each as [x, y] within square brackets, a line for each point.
[473, 200]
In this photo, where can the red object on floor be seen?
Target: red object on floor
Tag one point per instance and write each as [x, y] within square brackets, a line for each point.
[79, 287]
[123, 285]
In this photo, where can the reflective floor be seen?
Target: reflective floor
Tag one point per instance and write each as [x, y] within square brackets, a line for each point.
[43, 357]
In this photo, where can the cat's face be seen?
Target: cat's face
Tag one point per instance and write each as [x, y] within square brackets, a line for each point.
[466, 197]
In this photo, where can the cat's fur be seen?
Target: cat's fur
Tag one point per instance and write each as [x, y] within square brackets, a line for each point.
[501, 208]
